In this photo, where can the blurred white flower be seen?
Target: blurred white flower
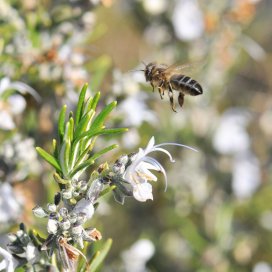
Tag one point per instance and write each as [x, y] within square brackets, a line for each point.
[231, 136]
[131, 139]
[125, 83]
[266, 220]
[246, 175]
[6, 121]
[155, 7]
[19, 154]
[262, 267]
[10, 204]
[135, 111]
[8, 263]
[15, 103]
[138, 172]
[253, 48]
[136, 257]
[10, 14]
[157, 34]
[31, 253]
[21, 87]
[188, 20]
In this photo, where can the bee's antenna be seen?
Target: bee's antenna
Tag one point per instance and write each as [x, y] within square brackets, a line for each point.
[141, 70]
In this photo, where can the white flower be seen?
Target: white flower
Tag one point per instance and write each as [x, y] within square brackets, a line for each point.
[136, 103]
[155, 7]
[138, 173]
[21, 87]
[231, 136]
[10, 204]
[9, 263]
[188, 20]
[136, 257]
[31, 253]
[15, 103]
[246, 175]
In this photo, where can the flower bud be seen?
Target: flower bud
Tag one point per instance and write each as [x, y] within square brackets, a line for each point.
[67, 194]
[52, 226]
[51, 207]
[39, 212]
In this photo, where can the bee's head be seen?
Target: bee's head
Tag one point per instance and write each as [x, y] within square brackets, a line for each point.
[148, 71]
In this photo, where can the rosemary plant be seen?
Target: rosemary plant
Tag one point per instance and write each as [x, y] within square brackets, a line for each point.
[68, 217]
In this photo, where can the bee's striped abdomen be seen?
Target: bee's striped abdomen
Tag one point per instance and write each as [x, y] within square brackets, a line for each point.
[186, 84]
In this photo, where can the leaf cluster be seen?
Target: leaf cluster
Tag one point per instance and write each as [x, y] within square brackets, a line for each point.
[73, 151]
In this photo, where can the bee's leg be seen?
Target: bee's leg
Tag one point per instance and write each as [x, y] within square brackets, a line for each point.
[153, 87]
[170, 94]
[181, 99]
[161, 89]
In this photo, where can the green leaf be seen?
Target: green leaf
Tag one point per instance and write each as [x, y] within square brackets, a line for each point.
[68, 134]
[64, 156]
[61, 123]
[60, 180]
[83, 124]
[83, 154]
[107, 190]
[100, 256]
[96, 155]
[91, 160]
[91, 133]
[81, 167]
[34, 239]
[49, 158]
[95, 101]
[103, 151]
[88, 105]
[99, 120]
[55, 149]
[71, 129]
[80, 103]
[74, 153]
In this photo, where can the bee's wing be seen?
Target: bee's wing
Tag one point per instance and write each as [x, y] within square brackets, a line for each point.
[187, 68]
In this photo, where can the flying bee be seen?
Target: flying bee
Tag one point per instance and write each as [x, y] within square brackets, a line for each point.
[169, 78]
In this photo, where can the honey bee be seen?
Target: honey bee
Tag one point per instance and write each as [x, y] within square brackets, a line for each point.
[169, 78]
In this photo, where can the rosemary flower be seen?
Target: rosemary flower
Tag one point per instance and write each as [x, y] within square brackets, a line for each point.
[138, 172]
[9, 263]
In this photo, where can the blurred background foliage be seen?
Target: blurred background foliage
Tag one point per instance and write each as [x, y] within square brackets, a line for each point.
[216, 214]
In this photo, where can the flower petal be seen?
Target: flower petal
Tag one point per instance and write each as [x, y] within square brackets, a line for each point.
[152, 160]
[9, 262]
[148, 166]
[150, 145]
[164, 151]
[143, 170]
[142, 191]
